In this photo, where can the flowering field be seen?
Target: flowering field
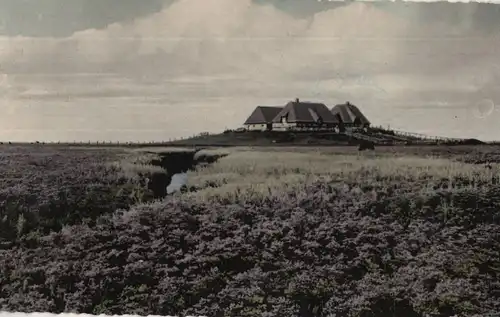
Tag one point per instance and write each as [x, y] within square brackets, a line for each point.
[42, 189]
[10, 314]
[315, 232]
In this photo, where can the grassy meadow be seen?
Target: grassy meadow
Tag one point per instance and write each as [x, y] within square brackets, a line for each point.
[248, 174]
[401, 231]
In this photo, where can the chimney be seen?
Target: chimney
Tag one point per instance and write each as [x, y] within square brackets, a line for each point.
[296, 100]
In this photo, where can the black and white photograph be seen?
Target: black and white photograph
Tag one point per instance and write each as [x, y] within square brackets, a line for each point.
[247, 158]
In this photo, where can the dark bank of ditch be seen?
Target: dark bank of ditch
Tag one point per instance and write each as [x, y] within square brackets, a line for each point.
[177, 163]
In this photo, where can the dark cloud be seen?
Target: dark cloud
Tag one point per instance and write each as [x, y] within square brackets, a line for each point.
[482, 17]
[64, 17]
[303, 8]
[475, 16]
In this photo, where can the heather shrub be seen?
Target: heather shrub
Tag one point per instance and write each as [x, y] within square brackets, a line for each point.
[44, 189]
[281, 234]
[312, 254]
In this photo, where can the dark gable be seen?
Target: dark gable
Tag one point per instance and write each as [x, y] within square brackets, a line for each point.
[348, 113]
[263, 115]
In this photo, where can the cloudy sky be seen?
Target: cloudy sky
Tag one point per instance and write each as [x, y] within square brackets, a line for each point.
[133, 70]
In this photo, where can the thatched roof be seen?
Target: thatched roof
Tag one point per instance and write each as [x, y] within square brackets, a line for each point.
[263, 115]
[348, 113]
[306, 112]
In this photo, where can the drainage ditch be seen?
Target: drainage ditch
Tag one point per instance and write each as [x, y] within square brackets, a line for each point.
[177, 164]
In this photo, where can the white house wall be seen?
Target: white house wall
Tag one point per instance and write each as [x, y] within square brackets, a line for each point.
[286, 126]
[283, 126]
[256, 127]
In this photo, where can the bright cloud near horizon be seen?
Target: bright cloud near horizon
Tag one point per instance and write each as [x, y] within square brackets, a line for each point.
[177, 68]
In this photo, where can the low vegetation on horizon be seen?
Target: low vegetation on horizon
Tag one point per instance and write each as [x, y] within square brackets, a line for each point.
[276, 232]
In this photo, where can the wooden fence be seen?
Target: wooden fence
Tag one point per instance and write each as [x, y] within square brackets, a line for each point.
[110, 143]
[424, 136]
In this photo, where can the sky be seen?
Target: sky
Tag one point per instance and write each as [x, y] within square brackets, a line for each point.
[151, 70]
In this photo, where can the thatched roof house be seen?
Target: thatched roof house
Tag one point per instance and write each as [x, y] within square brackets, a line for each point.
[306, 114]
[263, 115]
[261, 118]
[350, 115]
